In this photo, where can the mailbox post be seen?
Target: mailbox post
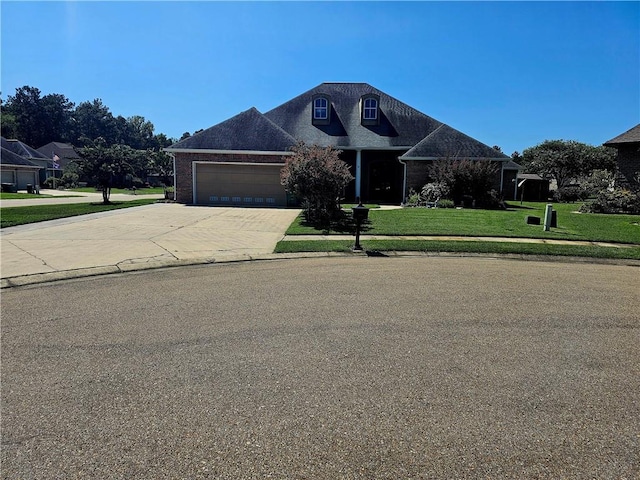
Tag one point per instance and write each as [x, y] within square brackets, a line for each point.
[360, 214]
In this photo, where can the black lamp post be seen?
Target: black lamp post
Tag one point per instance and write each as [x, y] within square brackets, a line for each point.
[360, 214]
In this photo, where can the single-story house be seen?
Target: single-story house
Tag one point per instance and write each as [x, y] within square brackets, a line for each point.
[19, 148]
[17, 171]
[60, 153]
[387, 144]
[628, 159]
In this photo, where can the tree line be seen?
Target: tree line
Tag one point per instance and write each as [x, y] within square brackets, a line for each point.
[37, 120]
[115, 151]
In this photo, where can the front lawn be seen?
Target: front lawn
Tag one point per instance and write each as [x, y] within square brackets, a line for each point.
[12, 216]
[126, 191]
[30, 196]
[496, 223]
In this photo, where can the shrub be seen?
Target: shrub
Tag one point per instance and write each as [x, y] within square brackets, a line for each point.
[317, 177]
[617, 201]
[571, 193]
[466, 180]
[446, 203]
[414, 199]
[433, 192]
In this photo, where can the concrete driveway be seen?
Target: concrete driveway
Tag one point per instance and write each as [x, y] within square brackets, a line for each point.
[139, 237]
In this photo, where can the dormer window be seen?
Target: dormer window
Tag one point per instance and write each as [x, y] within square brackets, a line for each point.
[370, 109]
[321, 110]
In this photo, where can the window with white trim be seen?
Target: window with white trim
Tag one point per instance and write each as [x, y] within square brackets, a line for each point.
[320, 108]
[370, 110]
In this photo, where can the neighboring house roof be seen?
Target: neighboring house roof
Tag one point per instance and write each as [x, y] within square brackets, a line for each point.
[247, 131]
[511, 165]
[630, 136]
[530, 176]
[22, 149]
[63, 150]
[400, 127]
[9, 158]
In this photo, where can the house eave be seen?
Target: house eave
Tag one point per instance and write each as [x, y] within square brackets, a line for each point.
[224, 152]
[404, 159]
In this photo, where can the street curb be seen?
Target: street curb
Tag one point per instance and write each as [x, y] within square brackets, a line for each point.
[49, 277]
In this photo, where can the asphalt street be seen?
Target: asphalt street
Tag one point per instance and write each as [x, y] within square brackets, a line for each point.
[327, 368]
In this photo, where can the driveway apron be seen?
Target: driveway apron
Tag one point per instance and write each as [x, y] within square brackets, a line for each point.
[152, 234]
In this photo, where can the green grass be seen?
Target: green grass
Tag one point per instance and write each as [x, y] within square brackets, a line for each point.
[496, 223]
[126, 191]
[30, 196]
[12, 216]
[462, 247]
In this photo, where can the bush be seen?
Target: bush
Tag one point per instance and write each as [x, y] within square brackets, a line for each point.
[617, 201]
[433, 192]
[571, 193]
[446, 203]
[469, 182]
[414, 199]
[317, 177]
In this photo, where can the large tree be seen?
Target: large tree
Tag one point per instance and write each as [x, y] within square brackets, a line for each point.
[317, 177]
[34, 119]
[565, 161]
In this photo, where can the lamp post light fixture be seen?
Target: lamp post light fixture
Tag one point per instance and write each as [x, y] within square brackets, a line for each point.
[360, 214]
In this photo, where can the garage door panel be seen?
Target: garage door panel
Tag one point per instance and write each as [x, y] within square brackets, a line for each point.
[239, 185]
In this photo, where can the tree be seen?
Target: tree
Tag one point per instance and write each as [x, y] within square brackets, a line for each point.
[36, 120]
[93, 120]
[104, 165]
[317, 177]
[566, 160]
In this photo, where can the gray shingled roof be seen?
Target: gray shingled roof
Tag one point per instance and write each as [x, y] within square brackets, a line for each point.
[630, 136]
[446, 142]
[7, 157]
[249, 130]
[63, 150]
[400, 126]
[22, 149]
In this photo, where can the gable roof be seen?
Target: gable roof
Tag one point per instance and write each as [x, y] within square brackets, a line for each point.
[7, 157]
[247, 131]
[22, 149]
[401, 127]
[63, 150]
[446, 142]
[630, 136]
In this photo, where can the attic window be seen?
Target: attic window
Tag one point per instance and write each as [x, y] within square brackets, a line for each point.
[370, 109]
[321, 110]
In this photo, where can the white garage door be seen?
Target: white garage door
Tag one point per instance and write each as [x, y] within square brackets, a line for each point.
[244, 184]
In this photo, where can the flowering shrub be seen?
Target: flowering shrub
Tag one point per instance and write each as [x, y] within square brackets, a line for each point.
[316, 177]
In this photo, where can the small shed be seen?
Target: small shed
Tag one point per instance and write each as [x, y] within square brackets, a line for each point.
[532, 188]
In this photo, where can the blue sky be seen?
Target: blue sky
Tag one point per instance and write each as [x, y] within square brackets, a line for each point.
[506, 73]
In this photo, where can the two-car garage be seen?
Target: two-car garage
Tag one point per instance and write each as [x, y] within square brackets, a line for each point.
[238, 184]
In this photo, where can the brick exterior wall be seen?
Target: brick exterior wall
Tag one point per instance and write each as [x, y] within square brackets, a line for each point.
[628, 164]
[417, 174]
[184, 168]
